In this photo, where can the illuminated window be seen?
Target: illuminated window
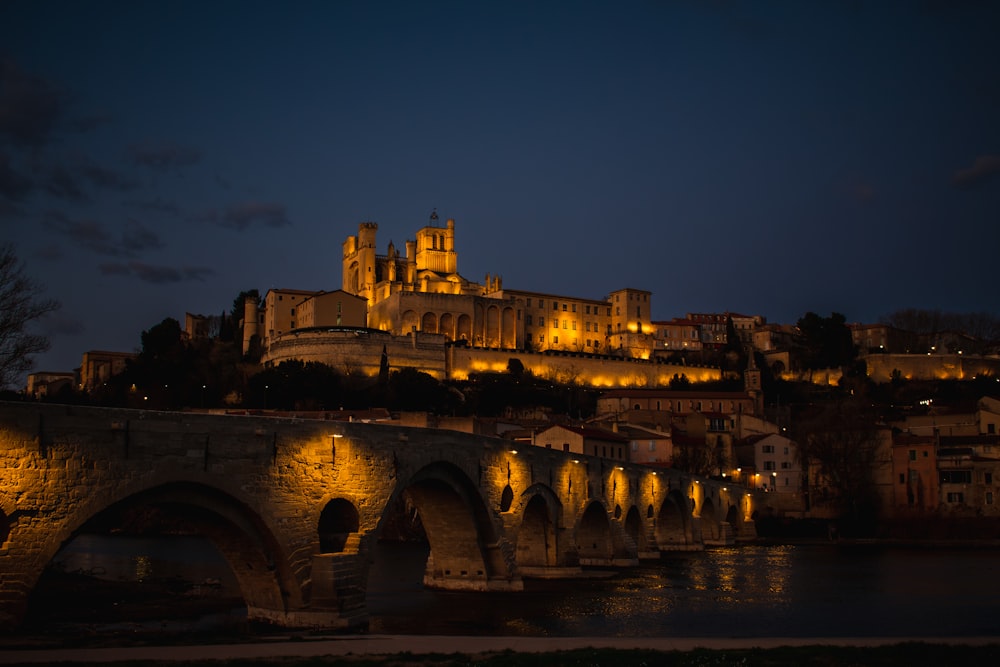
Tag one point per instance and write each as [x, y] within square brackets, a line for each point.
[555, 323]
[574, 325]
[541, 338]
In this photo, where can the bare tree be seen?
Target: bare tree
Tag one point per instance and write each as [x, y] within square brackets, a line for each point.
[21, 303]
[839, 446]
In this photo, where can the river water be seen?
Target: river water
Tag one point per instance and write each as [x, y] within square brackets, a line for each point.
[824, 590]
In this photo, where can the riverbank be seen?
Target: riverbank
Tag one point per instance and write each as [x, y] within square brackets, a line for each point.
[445, 651]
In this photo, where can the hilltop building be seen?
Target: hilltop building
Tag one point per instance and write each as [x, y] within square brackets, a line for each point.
[424, 314]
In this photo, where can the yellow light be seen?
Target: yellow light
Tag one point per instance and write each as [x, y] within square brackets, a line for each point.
[513, 451]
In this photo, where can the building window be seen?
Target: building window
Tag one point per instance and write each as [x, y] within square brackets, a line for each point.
[564, 307]
[541, 338]
[565, 446]
[991, 428]
[956, 477]
[989, 497]
[988, 477]
[902, 478]
[555, 340]
[588, 326]
[785, 465]
[618, 311]
[555, 323]
[527, 320]
[574, 308]
[769, 465]
[587, 310]
[956, 497]
[574, 325]
[555, 305]
[913, 455]
[541, 321]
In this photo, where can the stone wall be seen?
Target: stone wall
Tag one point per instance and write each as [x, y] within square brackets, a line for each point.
[360, 351]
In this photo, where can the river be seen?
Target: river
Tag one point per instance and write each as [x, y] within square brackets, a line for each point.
[824, 590]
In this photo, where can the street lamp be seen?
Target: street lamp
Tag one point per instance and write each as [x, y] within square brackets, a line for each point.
[774, 481]
[265, 396]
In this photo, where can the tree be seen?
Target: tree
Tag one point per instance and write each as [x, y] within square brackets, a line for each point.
[827, 340]
[21, 303]
[839, 446]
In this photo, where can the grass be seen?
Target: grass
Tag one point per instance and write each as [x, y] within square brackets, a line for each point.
[898, 655]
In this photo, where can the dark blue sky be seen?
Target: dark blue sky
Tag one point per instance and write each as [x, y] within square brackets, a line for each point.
[760, 157]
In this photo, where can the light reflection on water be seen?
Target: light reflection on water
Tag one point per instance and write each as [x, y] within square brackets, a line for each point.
[749, 591]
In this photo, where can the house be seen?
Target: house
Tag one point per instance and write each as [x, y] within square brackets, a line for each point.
[584, 440]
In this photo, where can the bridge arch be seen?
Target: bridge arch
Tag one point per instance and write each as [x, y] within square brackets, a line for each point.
[337, 522]
[710, 529]
[538, 533]
[4, 527]
[635, 529]
[593, 535]
[240, 534]
[465, 549]
[673, 526]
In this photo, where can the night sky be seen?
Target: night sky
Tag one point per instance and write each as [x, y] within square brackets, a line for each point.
[764, 158]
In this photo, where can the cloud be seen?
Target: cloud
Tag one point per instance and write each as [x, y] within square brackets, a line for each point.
[93, 236]
[60, 183]
[163, 156]
[244, 215]
[137, 238]
[50, 252]
[157, 275]
[105, 178]
[59, 324]
[864, 193]
[87, 233]
[157, 205]
[30, 108]
[981, 170]
[89, 123]
[13, 186]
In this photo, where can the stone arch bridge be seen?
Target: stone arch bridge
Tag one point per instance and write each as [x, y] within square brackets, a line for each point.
[295, 506]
